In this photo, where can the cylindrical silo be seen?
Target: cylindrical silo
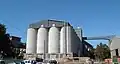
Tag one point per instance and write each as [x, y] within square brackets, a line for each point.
[53, 44]
[63, 40]
[42, 40]
[69, 38]
[31, 41]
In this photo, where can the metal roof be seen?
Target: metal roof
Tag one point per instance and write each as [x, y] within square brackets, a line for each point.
[48, 23]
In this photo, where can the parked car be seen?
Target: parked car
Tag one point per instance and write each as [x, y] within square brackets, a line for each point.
[12, 63]
[2, 62]
[53, 62]
[29, 61]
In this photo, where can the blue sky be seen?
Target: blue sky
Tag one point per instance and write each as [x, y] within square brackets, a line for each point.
[96, 17]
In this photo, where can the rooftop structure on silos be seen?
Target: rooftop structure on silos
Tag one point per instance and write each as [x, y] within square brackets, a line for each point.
[48, 23]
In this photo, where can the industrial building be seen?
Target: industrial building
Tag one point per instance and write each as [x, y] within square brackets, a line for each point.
[16, 42]
[54, 39]
[18, 46]
[115, 47]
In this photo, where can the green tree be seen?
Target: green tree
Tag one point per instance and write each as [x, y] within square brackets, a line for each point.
[91, 53]
[102, 52]
[5, 43]
[2, 29]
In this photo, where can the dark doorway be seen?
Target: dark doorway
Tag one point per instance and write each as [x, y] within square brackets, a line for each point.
[116, 51]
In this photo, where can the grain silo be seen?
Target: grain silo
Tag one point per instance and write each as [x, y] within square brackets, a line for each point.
[42, 40]
[68, 40]
[53, 36]
[53, 42]
[31, 41]
[63, 40]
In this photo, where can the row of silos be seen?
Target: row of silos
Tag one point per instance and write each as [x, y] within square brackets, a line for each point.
[50, 40]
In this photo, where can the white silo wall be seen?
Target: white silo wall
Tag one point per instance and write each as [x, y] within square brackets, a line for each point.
[31, 41]
[72, 41]
[54, 40]
[63, 40]
[42, 40]
[69, 38]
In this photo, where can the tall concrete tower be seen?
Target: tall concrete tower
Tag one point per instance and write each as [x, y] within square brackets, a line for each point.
[78, 31]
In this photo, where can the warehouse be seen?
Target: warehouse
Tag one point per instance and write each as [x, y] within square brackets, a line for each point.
[53, 39]
[115, 47]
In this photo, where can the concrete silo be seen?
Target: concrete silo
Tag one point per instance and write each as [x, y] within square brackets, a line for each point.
[31, 41]
[63, 41]
[69, 38]
[54, 40]
[66, 39]
[42, 40]
[53, 36]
